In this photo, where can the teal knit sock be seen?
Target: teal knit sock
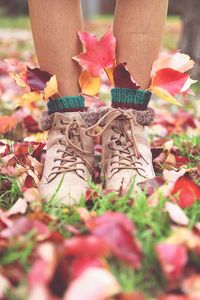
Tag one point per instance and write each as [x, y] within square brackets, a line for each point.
[66, 104]
[130, 98]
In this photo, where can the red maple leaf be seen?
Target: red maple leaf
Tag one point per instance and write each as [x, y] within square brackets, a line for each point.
[99, 55]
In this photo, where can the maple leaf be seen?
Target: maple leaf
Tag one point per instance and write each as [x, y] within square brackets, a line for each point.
[122, 77]
[99, 54]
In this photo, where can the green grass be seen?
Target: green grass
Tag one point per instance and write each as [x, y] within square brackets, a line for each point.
[189, 146]
[19, 251]
[21, 22]
[9, 191]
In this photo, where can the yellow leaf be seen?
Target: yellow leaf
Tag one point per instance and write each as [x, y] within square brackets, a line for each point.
[20, 79]
[109, 72]
[165, 95]
[51, 88]
[29, 98]
[89, 85]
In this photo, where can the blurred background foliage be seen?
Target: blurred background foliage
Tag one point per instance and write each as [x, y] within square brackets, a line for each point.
[184, 16]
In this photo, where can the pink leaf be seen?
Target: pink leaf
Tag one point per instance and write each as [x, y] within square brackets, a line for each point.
[170, 80]
[99, 54]
[93, 246]
[94, 284]
[175, 297]
[122, 78]
[176, 214]
[178, 61]
[173, 259]
[118, 230]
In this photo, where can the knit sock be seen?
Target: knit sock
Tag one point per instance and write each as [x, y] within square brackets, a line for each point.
[129, 98]
[66, 104]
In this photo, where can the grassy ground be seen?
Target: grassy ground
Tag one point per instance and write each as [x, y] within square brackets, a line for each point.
[21, 22]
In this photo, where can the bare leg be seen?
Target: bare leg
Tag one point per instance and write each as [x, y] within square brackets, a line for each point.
[138, 27]
[54, 27]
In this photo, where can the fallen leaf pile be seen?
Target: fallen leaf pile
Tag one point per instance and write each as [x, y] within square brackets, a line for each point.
[138, 246]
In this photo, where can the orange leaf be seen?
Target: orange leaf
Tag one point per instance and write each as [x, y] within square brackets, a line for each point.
[51, 88]
[7, 123]
[99, 54]
[89, 85]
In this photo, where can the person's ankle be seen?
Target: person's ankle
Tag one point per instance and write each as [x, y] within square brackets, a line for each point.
[126, 98]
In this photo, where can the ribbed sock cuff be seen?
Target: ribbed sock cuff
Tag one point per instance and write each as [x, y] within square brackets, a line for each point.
[66, 104]
[130, 98]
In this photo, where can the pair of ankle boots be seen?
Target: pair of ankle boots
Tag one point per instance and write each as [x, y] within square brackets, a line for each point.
[69, 164]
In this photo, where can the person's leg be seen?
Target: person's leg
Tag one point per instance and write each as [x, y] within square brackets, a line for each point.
[69, 156]
[54, 26]
[138, 27]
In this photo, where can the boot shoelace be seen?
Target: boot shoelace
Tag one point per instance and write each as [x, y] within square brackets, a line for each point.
[72, 154]
[121, 142]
